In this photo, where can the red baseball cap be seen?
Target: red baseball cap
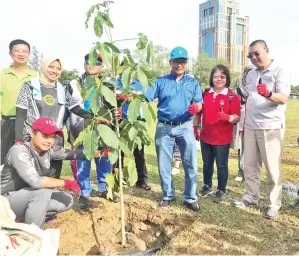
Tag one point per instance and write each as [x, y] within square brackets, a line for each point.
[47, 126]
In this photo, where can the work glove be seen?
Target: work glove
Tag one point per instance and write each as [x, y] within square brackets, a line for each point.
[196, 132]
[262, 89]
[122, 97]
[221, 116]
[117, 113]
[193, 109]
[72, 185]
[18, 141]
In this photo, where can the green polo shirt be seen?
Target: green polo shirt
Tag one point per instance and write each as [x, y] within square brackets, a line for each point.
[10, 88]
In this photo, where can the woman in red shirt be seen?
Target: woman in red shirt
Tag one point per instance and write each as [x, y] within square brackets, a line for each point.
[220, 111]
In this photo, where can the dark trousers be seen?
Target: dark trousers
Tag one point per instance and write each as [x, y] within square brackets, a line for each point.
[56, 165]
[140, 165]
[219, 153]
[7, 137]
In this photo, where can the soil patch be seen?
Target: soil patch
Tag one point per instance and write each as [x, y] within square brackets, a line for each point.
[97, 231]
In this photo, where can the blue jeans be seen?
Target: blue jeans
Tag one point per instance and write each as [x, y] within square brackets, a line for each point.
[220, 153]
[183, 136]
[103, 167]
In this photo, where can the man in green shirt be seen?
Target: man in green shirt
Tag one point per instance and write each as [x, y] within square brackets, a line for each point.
[11, 80]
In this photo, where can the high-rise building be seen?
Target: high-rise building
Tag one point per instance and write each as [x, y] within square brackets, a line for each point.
[223, 33]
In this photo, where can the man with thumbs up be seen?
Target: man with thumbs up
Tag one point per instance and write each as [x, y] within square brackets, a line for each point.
[268, 90]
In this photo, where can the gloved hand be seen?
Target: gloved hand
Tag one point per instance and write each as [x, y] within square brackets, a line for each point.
[72, 185]
[193, 109]
[196, 132]
[262, 89]
[104, 122]
[18, 141]
[122, 97]
[221, 116]
[106, 152]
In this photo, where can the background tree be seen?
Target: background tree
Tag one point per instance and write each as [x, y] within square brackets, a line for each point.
[203, 66]
[69, 75]
[160, 60]
[35, 59]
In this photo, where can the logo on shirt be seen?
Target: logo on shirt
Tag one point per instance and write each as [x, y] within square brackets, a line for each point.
[49, 100]
[222, 102]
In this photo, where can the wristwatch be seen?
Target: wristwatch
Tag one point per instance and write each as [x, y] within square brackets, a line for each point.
[270, 95]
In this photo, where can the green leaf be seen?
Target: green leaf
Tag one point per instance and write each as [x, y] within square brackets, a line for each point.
[80, 138]
[95, 102]
[110, 181]
[104, 50]
[150, 108]
[115, 64]
[146, 114]
[85, 92]
[106, 20]
[141, 44]
[98, 26]
[133, 133]
[90, 144]
[123, 146]
[133, 110]
[112, 47]
[142, 78]
[90, 82]
[108, 136]
[105, 113]
[113, 155]
[138, 142]
[126, 77]
[149, 52]
[130, 173]
[92, 56]
[109, 95]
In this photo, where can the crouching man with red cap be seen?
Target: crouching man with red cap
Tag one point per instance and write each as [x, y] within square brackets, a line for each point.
[25, 180]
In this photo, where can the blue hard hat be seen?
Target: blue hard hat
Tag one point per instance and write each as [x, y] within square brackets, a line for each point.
[178, 52]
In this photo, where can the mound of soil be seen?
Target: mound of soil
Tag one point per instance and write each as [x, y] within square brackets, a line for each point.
[97, 231]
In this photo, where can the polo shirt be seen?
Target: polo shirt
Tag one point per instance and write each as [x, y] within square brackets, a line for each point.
[137, 87]
[10, 88]
[262, 113]
[174, 97]
[213, 131]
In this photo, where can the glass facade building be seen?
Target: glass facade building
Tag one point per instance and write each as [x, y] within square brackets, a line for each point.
[223, 33]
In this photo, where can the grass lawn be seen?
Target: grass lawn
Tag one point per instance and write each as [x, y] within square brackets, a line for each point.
[223, 229]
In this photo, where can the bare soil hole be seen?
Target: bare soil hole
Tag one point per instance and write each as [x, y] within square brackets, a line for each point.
[97, 232]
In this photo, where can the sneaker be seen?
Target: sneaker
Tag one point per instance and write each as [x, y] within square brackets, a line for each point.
[243, 204]
[175, 171]
[239, 178]
[219, 197]
[271, 213]
[84, 203]
[165, 203]
[115, 198]
[192, 206]
[206, 190]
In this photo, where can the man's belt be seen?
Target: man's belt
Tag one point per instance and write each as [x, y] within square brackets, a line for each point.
[8, 117]
[173, 122]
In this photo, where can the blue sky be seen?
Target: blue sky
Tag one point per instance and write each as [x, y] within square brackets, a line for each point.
[56, 27]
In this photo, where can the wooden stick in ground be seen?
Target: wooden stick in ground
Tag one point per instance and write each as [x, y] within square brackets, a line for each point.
[122, 206]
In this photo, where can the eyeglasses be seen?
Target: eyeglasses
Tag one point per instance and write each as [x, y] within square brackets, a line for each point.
[20, 51]
[98, 63]
[222, 77]
[178, 62]
[250, 55]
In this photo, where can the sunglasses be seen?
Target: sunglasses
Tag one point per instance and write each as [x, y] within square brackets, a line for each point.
[98, 63]
[250, 55]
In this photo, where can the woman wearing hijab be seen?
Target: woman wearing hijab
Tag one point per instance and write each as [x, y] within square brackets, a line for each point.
[42, 97]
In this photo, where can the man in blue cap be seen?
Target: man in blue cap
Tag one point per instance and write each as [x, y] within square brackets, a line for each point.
[179, 98]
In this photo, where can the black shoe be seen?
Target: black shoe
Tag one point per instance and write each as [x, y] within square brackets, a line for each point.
[84, 203]
[206, 190]
[192, 206]
[115, 198]
[165, 203]
[219, 197]
[144, 186]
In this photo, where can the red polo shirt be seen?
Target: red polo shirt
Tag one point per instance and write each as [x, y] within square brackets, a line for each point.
[216, 132]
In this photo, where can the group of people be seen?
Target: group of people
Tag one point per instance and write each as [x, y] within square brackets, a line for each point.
[35, 108]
